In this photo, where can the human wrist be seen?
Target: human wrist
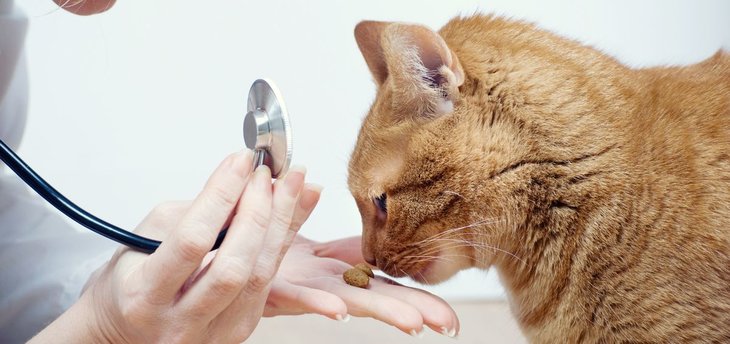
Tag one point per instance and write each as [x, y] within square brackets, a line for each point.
[78, 324]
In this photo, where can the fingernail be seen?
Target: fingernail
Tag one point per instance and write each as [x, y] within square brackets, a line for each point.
[261, 179]
[417, 334]
[297, 168]
[241, 161]
[344, 319]
[314, 187]
[309, 199]
[245, 152]
[263, 170]
[449, 333]
[294, 180]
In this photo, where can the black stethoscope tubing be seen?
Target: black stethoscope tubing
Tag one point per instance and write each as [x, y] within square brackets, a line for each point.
[76, 213]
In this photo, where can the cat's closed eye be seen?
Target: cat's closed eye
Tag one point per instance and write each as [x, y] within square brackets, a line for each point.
[381, 203]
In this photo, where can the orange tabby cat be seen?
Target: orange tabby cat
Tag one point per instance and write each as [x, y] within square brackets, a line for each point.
[600, 193]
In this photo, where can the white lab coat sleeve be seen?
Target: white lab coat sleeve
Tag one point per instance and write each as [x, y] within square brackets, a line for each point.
[44, 261]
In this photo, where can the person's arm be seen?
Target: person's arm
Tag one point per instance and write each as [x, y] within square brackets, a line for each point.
[76, 325]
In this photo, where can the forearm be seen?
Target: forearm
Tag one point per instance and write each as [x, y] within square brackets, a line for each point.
[76, 325]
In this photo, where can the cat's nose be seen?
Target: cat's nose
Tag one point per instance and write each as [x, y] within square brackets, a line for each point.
[368, 252]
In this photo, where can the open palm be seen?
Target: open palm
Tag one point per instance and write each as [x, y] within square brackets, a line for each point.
[310, 281]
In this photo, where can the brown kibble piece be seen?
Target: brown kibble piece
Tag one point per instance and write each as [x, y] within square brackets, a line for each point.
[366, 269]
[356, 277]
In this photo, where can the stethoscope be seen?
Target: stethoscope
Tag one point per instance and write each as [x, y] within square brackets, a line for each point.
[266, 131]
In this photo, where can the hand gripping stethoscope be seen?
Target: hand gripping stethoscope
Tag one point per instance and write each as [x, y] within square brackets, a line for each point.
[266, 130]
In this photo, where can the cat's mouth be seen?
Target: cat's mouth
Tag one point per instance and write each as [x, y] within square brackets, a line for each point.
[415, 267]
[421, 275]
[433, 268]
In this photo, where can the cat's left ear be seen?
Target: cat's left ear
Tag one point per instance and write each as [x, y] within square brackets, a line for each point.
[415, 62]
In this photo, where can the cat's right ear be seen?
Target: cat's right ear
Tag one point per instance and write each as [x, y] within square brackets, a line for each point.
[368, 36]
[415, 63]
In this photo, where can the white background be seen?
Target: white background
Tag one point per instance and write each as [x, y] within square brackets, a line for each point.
[138, 105]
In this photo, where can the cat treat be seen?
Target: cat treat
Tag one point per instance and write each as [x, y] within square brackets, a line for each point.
[357, 277]
[366, 269]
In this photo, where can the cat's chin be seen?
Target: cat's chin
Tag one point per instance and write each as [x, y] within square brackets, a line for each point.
[440, 269]
[432, 275]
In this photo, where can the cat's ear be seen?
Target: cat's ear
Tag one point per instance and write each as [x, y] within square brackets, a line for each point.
[368, 36]
[423, 72]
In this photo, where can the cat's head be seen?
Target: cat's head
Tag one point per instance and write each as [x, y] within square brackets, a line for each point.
[457, 151]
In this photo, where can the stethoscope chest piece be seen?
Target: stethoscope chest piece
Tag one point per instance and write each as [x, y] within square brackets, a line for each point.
[266, 128]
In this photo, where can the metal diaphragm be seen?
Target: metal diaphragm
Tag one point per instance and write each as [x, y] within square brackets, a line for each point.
[266, 128]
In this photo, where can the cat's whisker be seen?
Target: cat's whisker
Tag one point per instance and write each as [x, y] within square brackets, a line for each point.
[401, 271]
[417, 245]
[456, 243]
[453, 230]
[446, 242]
[436, 244]
[497, 249]
[419, 259]
[441, 241]
[424, 278]
[423, 258]
[430, 252]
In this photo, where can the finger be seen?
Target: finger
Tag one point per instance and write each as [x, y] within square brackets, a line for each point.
[232, 268]
[347, 250]
[285, 199]
[307, 201]
[366, 303]
[164, 218]
[181, 254]
[436, 313]
[292, 299]
[288, 299]
[235, 329]
[85, 7]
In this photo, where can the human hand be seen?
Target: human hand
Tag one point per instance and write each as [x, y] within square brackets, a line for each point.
[310, 281]
[85, 7]
[183, 292]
